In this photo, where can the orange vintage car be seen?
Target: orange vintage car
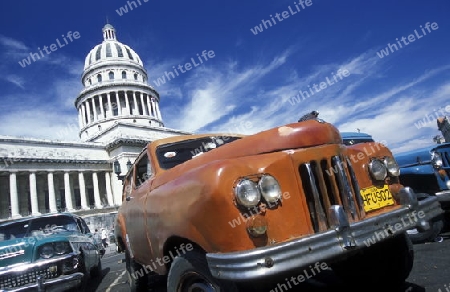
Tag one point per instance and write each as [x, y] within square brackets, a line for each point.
[214, 212]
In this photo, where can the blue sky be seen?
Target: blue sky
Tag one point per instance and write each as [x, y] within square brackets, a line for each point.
[251, 82]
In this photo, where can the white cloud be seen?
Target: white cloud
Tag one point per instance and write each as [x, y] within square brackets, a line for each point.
[213, 94]
[47, 123]
[12, 43]
[16, 80]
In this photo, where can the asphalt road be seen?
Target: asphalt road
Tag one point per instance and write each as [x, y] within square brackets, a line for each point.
[431, 272]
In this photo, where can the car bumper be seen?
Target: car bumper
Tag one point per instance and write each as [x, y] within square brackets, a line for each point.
[11, 277]
[61, 283]
[329, 246]
[444, 196]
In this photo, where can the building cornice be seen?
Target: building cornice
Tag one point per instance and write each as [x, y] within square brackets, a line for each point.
[49, 160]
[80, 144]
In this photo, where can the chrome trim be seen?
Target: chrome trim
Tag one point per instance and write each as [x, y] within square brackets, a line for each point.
[408, 197]
[61, 283]
[338, 220]
[356, 188]
[23, 267]
[443, 196]
[11, 254]
[328, 246]
[317, 204]
[344, 187]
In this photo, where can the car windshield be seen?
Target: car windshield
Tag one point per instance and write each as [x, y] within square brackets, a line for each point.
[170, 155]
[43, 225]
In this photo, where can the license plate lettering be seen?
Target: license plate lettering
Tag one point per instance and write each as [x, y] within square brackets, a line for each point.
[376, 198]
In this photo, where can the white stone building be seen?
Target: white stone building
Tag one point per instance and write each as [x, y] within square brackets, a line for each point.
[118, 114]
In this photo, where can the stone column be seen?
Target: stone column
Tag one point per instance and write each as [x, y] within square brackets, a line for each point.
[33, 194]
[111, 111]
[136, 106]
[109, 194]
[94, 110]
[154, 108]
[51, 193]
[102, 110]
[119, 105]
[83, 114]
[98, 202]
[13, 195]
[144, 107]
[127, 102]
[158, 113]
[82, 184]
[80, 120]
[67, 192]
[149, 107]
[88, 107]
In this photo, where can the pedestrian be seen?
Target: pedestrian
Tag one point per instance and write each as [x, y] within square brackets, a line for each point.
[105, 244]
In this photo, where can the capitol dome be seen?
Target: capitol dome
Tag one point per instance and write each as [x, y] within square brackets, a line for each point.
[111, 50]
[116, 100]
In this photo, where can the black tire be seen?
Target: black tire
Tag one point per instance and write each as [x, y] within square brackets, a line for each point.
[97, 271]
[393, 258]
[426, 236]
[137, 276]
[190, 271]
[436, 226]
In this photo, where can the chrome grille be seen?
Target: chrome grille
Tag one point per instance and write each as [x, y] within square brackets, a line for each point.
[18, 279]
[328, 182]
[445, 161]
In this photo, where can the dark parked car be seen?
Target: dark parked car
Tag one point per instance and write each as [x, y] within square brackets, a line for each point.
[53, 252]
[352, 138]
[426, 171]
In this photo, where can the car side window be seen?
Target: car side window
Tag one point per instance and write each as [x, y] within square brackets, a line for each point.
[85, 227]
[143, 170]
[80, 225]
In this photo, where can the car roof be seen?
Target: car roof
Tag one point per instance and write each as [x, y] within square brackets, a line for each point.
[28, 218]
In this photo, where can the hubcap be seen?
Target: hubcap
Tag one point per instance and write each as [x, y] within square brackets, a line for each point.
[194, 282]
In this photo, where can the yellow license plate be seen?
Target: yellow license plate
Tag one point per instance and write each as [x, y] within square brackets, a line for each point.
[376, 197]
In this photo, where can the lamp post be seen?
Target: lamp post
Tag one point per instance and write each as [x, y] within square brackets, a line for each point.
[118, 170]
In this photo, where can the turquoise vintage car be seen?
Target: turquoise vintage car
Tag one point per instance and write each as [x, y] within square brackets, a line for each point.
[54, 252]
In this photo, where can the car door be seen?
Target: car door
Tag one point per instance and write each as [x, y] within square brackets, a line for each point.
[134, 208]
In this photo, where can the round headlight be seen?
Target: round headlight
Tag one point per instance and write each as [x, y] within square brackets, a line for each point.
[247, 193]
[377, 169]
[392, 166]
[436, 159]
[270, 189]
[47, 251]
[61, 247]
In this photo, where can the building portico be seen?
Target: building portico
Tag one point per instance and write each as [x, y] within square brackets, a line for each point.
[118, 114]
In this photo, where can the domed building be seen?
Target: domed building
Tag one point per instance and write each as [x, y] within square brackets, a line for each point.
[118, 114]
[116, 94]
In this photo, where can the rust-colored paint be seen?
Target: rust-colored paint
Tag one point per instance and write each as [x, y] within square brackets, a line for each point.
[195, 200]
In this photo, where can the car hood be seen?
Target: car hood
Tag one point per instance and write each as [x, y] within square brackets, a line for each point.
[418, 156]
[23, 250]
[15, 251]
[291, 136]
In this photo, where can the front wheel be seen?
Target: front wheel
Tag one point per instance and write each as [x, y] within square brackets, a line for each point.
[426, 236]
[97, 271]
[137, 276]
[190, 272]
[393, 258]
